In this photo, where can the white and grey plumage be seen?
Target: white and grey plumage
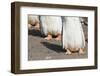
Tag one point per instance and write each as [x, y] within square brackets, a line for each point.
[51, 24]
[73, 36]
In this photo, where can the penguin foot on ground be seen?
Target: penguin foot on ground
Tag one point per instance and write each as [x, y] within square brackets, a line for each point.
[51, 25]
[37, 27]
[49, 37]
[33, 22]
[81, 51]
[29, 26]
[58, 38]
[68, 52]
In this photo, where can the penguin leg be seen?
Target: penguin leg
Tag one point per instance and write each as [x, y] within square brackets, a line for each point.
[81, 51]
[68, 52]
[37, 26]
[58, 37]
[49, 36]
[29, 26]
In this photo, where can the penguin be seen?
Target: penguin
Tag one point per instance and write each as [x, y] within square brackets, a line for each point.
[84, 21]
[33, 21]
[73, 38]
[51, 26]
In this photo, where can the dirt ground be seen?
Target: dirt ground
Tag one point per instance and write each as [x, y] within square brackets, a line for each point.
[41, 49]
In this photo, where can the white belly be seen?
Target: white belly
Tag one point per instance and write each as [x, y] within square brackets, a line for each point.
[51, 24]
[73, 36]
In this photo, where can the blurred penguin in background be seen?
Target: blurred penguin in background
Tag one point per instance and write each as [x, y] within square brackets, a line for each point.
[33, 22]
[73, 36]
[84, 20]
[51, 26]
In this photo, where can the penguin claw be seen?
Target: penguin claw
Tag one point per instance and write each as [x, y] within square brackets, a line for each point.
[81, 51]
[29, 26]
[68, 52]
[47, 38]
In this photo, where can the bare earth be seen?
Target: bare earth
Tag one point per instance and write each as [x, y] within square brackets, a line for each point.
[41, 49]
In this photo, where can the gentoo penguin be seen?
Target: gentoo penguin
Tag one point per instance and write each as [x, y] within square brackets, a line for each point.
[73, 36]
[33, 20]
[51, 26]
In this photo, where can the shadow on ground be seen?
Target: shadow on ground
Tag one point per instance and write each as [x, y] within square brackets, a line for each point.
[53, 47]
[34, 33]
